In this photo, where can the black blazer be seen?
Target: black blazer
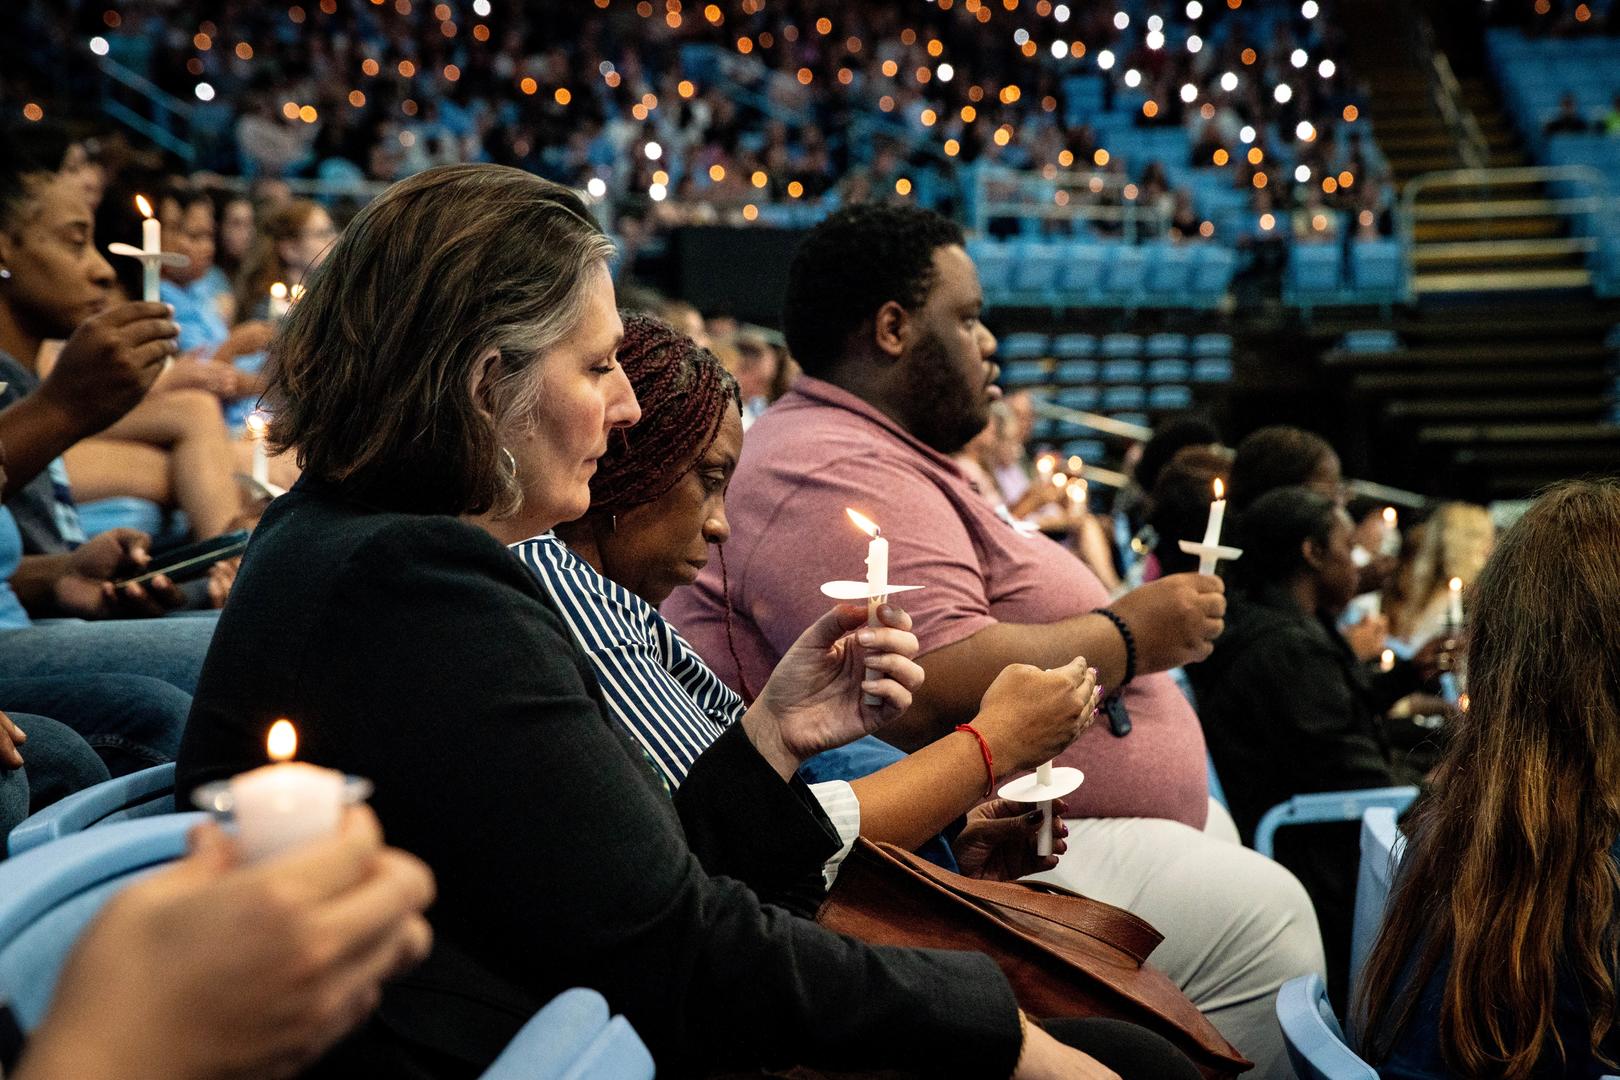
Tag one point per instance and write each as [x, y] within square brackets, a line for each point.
[415, 650]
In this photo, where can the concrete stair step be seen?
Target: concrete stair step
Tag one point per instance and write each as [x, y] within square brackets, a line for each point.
[1500, 280]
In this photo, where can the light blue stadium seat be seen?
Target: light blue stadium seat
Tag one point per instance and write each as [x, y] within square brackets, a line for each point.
[140, 794]
[994, 264]
[1118, 398]
[49, 894]
[1025, 345]
[1162, 345]
[1217, 345]
[1382, 846]
[1021, 373]
[1074, 346]
[1084, 398]
[1326, 806]
[1313, 271]
[1122, 371]
[1216, 792]
[1170, 397]
[1213, 269]
[1168, 370]
[574, 1037]
[1080, 279]
[1115, 346]
[1375, 267]
[1315, 1041]
[1035, 271]
[1126, 274]
[1085, 449]
[1169, 273]
[1077, 372]
[1370, 341]
[1212, 369]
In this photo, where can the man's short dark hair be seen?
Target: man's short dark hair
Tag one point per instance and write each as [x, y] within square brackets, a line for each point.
[1274, 457]
[850, 265]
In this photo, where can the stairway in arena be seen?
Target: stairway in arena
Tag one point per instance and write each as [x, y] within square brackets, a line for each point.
[1504, 237]
[1494, 399]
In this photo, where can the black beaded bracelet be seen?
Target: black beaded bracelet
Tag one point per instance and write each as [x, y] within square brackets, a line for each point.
[1130, 646]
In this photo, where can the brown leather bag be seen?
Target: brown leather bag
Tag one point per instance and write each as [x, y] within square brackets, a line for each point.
[1066, 955]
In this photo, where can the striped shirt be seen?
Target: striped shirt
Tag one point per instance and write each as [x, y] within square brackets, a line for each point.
[655, 684]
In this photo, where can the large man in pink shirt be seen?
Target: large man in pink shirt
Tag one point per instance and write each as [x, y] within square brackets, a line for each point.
[883, 313]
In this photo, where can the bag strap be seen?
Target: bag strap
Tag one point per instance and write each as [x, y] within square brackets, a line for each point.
[1108, 924]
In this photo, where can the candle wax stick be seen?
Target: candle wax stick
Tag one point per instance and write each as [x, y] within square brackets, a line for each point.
[151, 244]
[877, 581]
[1043, 843]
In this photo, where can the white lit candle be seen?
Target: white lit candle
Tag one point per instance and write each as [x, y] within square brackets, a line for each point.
[279, 304]
[258, 426]
[1386, 660]
[1043, 778]
[151, 245]
[1045, 465]
[1212, 529]
[1454, 610]
[279, 806]
[877, 579]
[1390, 544]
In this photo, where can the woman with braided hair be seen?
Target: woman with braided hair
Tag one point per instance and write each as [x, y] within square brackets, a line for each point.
[657, 504]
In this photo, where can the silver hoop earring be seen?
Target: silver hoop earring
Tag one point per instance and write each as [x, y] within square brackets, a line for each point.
[4, 273]
[613, 523]
[511, 463]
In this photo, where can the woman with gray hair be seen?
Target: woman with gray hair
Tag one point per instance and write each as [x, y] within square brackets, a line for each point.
[452, 360]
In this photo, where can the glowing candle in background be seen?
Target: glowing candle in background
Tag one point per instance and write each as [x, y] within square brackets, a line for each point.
[877, 580]
[279, 304]
[258, 426]
[1454, 608]
[151, 245]
[1390, 544]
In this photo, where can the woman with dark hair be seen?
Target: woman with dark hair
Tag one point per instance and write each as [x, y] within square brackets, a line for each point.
[451, 366]
[1287, 708]
[657, 507]
[1283, 456]
[1497, 955]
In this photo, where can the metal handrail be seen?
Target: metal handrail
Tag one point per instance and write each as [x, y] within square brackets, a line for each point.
[1515, 176]
[165, 105]
[1131, 214]
[1095, 421]
[1447, 94]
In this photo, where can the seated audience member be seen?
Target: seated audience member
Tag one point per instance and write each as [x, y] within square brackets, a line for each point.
[1496, 955]
[1568, 120]
[292, 241]
[1287, 707]
[201, 297]
[210, 969]
[1454, 543]
[1282, 456]
[1130, 505]
[756, 372]
[236, 226]
[58, 762]
[176, 454]
[1178, 506]
[657, 504]
[473, 378]
[883, 312]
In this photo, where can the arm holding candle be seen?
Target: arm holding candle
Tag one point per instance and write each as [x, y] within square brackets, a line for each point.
[208, 969]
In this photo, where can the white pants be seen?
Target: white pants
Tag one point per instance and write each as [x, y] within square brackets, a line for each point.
[1236, 925]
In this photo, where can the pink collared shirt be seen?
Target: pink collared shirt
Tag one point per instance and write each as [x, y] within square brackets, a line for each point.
[821, 449]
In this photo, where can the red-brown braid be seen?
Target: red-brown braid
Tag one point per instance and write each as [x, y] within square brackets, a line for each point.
[683, 390]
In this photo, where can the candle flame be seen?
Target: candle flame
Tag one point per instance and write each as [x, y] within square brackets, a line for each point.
[296, 292]
[1220, 489]
[1389, 516]
[1059, 481]
[282, 742]
[1045, 464]
[257, 424]
[278, 291]
[1076, 465]
[1456, 584]
[863, 523]
[143, 206]
[1462, 702]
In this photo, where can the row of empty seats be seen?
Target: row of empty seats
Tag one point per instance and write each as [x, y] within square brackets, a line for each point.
[1076, 273]
[1370, 272]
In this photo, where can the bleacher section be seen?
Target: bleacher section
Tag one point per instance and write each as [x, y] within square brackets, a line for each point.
[1534, 75]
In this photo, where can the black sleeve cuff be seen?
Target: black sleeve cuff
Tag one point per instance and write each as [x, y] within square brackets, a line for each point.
[744, 822]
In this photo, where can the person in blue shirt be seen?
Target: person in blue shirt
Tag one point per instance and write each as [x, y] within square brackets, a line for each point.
[1498, 954]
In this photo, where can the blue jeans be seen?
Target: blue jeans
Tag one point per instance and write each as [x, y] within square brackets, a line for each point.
[170, 649]
[56, 762]
[132, 721]
[863, 757]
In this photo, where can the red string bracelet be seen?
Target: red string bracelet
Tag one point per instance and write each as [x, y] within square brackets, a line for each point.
[989, 761]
